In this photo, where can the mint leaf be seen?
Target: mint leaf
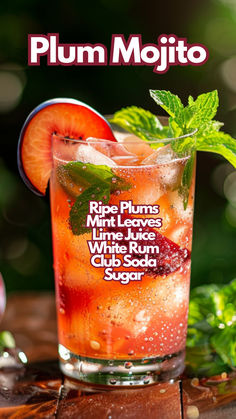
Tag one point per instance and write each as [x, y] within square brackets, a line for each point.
[80, 209]
[175, 130]
[85, 174]
[224, 342]
[202, 362]
[99, 181]
[202, 110]
[140, 122]
[190, 100]
[187, 179]
[76, 175]
[209, 127]
[220, 143]
[212, 328]
[169, 102]
[70, 179]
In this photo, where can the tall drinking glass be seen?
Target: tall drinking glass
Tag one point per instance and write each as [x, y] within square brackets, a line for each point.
[122, 245]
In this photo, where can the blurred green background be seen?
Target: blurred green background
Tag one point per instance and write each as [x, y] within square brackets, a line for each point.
[25, 246]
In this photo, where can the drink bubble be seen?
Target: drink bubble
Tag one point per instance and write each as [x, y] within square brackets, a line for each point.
[95, 345]
[128, 365]
[112, 381]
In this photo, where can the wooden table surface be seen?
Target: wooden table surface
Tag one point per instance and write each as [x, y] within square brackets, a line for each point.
[39, 390]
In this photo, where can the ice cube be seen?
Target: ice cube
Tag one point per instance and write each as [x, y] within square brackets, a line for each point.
[171, 166]
[88, 154]
[137, 146]
[170, 175]
[181, 235]
[120, 135]
[162, 155]
[176, 201]
[63, 149]
[114, 150]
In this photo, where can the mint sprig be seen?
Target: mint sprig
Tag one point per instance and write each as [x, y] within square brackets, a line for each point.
[98, 182]
[183, 120]
[196, 113]
[211, 345]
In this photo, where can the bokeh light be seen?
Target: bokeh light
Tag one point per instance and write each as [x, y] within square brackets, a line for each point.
[230, 188]
[230, 3]
[230, 194]
[228, 72]
[219, 175]
[230, 215]
[220, 35]
[12, 82]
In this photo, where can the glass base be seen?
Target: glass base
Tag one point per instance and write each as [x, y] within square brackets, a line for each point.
[116, 373]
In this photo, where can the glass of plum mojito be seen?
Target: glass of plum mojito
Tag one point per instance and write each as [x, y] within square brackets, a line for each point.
[121, 242]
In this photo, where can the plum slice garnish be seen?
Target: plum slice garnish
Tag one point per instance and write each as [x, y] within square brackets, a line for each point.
[67, 118]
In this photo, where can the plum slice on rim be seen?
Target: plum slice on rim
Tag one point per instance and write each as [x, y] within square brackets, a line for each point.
[65, 117]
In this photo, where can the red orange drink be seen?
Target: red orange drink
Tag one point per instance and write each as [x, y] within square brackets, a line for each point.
[130, 330]
[122, 232]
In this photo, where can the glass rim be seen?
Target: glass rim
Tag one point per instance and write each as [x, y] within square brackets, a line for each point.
[94, 140]
[126, 133]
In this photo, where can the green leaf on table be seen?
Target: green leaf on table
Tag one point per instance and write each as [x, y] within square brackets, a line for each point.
[6, 340]
[212, 329]
[98, 182]
[224, 342]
